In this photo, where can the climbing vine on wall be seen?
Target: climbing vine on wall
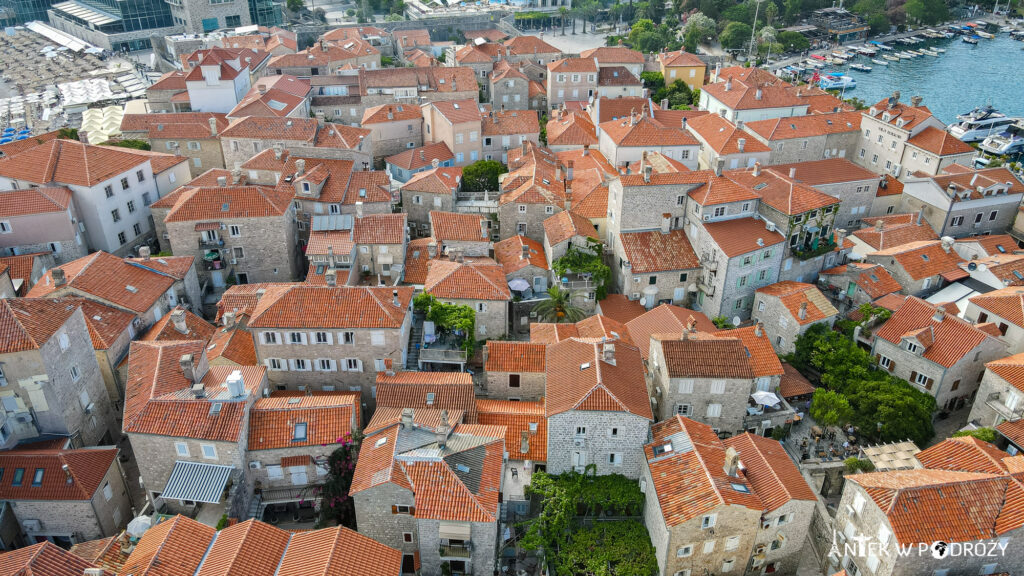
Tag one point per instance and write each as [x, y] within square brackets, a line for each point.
[586, 260]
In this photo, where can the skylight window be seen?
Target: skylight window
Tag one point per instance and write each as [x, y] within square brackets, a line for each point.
[462, 468]
[225, 207]
[740, 488]
[276, 105]
[380, 442]
[924, 257]
[662, 449]
[585, 365]
[215, 408]
[430, 398]
[300, 432]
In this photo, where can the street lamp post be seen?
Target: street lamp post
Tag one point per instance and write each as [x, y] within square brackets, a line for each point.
[753, 30]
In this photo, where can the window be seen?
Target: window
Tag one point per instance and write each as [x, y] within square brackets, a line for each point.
[615, 459]
[686, 386]
[300, 365]
[234, 231]
[549, 209]
[348, 337]
[911, 347]
[407, 536]
[652, 280]
[181, 448]
[782, 520]
[142, 175]
[684, 551]
[19, 475]
[270, 337]
[992, 216]
[978, 217]
[238, 252]
[732, 542]
[209, 451]
[108, 190]
[122, 238]
[124, 183]
[297, 337]
[325, 365]
[300, 432]
[115, 214]
[275, 364]
[75, 374]
[137, 228]
[885, 362]
[728, 564]
[682, 277]
[581, 430]
[131, 206]
[522, 208]
[718, 386]
[714, 410]
[613, 432]
[719, 211]
[684, 409]
[709, 546]
[108, 493]
[37, 477]
[353, 365]
[322, 337]
[760, 306]
[402, 509]
[481, 307]
[957, 221]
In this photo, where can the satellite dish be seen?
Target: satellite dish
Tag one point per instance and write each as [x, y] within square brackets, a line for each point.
[643, 301]
[736, 320]
[972, 266]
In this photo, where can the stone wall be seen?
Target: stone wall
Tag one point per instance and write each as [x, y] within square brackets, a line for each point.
[598, 442]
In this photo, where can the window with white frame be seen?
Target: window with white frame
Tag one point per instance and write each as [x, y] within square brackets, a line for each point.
[297, 337]
[322, 337]
[709, 546]
[234, 231]
[732, 542]
[181, 448]
[299, 364]
[718, 386]
[684, 551]
[353, 365]
[615, 458]
[684, 409]
[275, 364]
[708, 521]
[270, 338]
[714, 410]
[209, 451]
[325, 365]
[348, 337]
[686, 386]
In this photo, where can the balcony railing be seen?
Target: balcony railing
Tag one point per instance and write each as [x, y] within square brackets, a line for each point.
[442, 355]
[455, 551]
[215, 243]
[995, 402]
[823, 248]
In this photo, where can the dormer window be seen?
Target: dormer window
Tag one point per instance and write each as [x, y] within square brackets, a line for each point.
[886, 117]
[912, 348]
[299, 434]
[306, 188]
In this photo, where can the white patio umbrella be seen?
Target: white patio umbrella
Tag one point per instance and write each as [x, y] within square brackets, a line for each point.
[765, 398]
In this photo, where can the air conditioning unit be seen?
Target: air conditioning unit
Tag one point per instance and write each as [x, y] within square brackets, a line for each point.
[81, 226]
[579, 442]
[32, 525]
[166, 236]
[234, 260]
[90, 408]
[23, 418]
[636, 279]
[255, 465]
[634, 296]
[707, 218]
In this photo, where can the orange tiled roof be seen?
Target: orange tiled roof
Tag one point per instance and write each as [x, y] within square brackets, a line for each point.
[573, 65]
[236, 345]
[1010, 369]
[567, 224]
[191, 125]
[919, 259]
[515, 356]
[900, 115]
[440, 180]
[71, 162]
[579, 378]
[379, 229]
[219, 202]
[170, 548]
[739, 236]
[966, 181]
[763, 358]
[571, 129]
[806, 126]
[740, 91]
[305, 306]
[966, 454]
[489, 34]
[797, 295]
[510, 122]
[793, 383]
[43, 559]
[417, 260]
[614, 55]
[391, 113]
[782, 193]
[646, 132]
[338, 551]
[529, 45]
[895, 230]
[250, 547]
[593, 327]
[723, 136]
[716, 189]
[329, 419]
[176, 267]
[520, 419]
[680, 58]
[770, 471]
[27, 323]
[164, 328]
[1007, 303]
[87, 468]
[509, 254]
[693, 356]
[427, 418]
[20, 268]
[336, 241]
[419, 157]
[450, 390]
[470, 280]
[620, 308]
[953, 337]
[663, 319]
[105, 553]
[458, 111]
[827, 171]
[939, 142]
[136, 288]
[874, 279]
[15, 203]
[689, 476]
[655, 251]
[992, 244]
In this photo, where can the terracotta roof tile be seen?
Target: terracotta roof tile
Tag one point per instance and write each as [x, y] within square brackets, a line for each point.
[762, 356]
[417, 260]
[579, 378]
[567, 224]
[717, 357]
[647, 132]
[458, 111]
[620, 308]
[509, 254]
[329, 418]
[805, 126]
[966, 454]
[529, 45]
[173, 547]
[680, 58]
[651, 252]
[770, 471]
[379, 229]
[1007, 303]
[510, 122]
[87, 467]
[43, 559]
[391, 113]
[919, 259]
[874, 279]
[967, 181]
[28, 323]
[1010, 369]
[723, 136]
[900, 115]
[338, 551]
[793, 383]
[745, 92]
[663, 319]
[481, 280]
[715, 189]
[165, 330]
[427, 418]
[136, 288]
[70, 162]
[827, 171]
[489, 34]
[15, 203]
[304, 306]
[782, 193]
[739, 236]
[419, 157]
[614, 55]
[617, 76]
[192, 125]
[895, 230]
[20, 268]
[450, 390]
[954, 337]
[105, 553]
[176, 267]
[441, 180]
[250, 547]
[1013, 430]
[571, 129]
[939, 142]
[515, 356]
[520, 419]
[799, 295]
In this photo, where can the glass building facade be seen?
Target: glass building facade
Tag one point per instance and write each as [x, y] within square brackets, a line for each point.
[25, 10]
[265, 12]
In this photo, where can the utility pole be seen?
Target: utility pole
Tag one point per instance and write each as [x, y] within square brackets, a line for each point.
[753, 30]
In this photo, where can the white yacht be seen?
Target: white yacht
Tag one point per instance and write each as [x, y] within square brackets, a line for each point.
[979, 124]
[1009, 141]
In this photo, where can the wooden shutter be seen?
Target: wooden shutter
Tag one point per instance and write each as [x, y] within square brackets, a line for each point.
[892, 366]
[913, 377]
[394, 509]
[412, 510]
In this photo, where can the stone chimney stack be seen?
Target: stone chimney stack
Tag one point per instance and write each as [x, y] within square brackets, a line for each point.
[568, 170]
[840, 237]
[178, 319]
[144, 252]
[915, 101]
[442, 430]
[741, 144]
[732, 462]
[586, 149]
[758, 94]
[300, 167]
[460, 256]
[394, 299]
[58, 277]
[792, 173]
[432, 250]
[526, 253]
[222, 181]
[758, 329]
[407, 418]
[803, 311]
[435, 163]
[947, 243]
[719, 166]
[757, 169]
[331, 278]
[940, 314]
[278, 151]
[213, 127]
[187, 363]
[228, 319]
[648, 169]
[879, 225]
[666, 223]
[484, 229]
[608, 353]
[524, 442]
[320, 119]
[236, 176]
[359, 209]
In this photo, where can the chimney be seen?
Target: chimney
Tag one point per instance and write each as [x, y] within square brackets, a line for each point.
[684, 122]
[485, 352]
[460, 256]
[758, 94]
[213, 127]
[879, 225]
[739, 124]
[359, 209]
[648, 169]
[523, 148]
[920, 215]
[915, 101]
[568, 196]
[803, 311]
[608, 353]
[300, 167]
[741, 144]
[229, 320]
[58, 277]
[526, 253]
[222, 181]
[732, 461]
[757, 169]
[483, 228]
[840, 236]
[394, 299]
[435, 163]
[442, 430]
[320, 120]
[664, 103]
[728, 84]
[144, 252]
[432, 250]
[524, 442]
[278, 150]
[407, 418]
[187, 363]
[586, 149]
[758, 329]
[719, 165]
[568, 170]
[262, 88]
[947, 243]
[974, 179]
[792, 173]
[666, 223]
[67, 473]
[558, 173]
[331, 278]
[178, 319]
[940, 314]
[95, 571]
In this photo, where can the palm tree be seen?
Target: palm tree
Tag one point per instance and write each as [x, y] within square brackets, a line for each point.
[563, 11]
[558, 307]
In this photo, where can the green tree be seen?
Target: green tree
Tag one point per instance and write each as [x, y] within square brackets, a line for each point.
[609, 548]
[68, 133]
[482, 175]
[586, 260]
[691, 39]
[927, 11]
[701, 24]
[543, 136]
[771, 12]
[558, 307]
[983, 434]
[133, 144]
[793, 41]
[855, 465]
[830, 408]
[294, 5]
[735, 35]
[793, 8]
[654, 81]
[563, 12]
[879, 23]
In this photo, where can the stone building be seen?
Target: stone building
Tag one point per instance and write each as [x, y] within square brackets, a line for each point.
[456, 123]
[530, 49]
[625, 140]
[330, 338]
[734, 505]
[571, 80]
[432, 190]
[468, 234]
[253, 137]
[1000, 393]
[326, 58]
[523, 258]
[1002, 308]
[618, 82]
[41, 220]
[886, 129]
[503, 130]
[476, 282]
[722, 140]
[788, 309]
[532, 191]
[887, 232]
[857, 283]
[509, 87]
[811, 137]
[393, 129]
[515, 370]
[52, 381]
[921, 267]
[64, 495]
[962, 202]
[936, 352]
[961, 476]
[840, 178]
[193, 135]
[430, 488]
[597, 403]
[749, 95]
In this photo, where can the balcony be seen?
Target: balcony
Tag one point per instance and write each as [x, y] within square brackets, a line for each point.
[455, 550]
[708, 290]
[994, 401]
[205, 243]
[813, 250]
[445, 355]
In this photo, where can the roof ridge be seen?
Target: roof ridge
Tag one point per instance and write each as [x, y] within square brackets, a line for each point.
[700, 457]
[769, 466]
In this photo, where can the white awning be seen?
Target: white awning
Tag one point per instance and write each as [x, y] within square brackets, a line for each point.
[197, 482]
[454, 530]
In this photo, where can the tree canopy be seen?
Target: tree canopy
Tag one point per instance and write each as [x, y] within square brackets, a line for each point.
[983, 434]
[586, 260]
[647, 37]
[482, 175]
[793, 41]
[736, 35]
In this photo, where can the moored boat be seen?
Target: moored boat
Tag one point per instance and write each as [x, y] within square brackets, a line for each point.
[860, 67]
[970, 39]
[880, 62]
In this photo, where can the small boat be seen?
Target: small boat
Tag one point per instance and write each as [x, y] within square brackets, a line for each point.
[867, 51]
[860, 67]
[928, 52]
[939, 50]
[837, 82]
[979, 123]
[986, 35]
[818, 57]
[970, 39]
[879, 62]
[891, 58]
[948, 34]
